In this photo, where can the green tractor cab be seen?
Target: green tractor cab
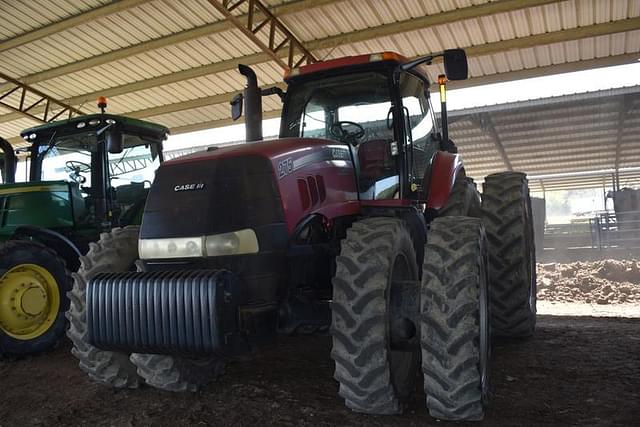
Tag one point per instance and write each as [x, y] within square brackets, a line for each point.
[86, 175]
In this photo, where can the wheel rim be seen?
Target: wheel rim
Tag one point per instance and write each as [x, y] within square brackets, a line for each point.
[400, 306]
[29, 301]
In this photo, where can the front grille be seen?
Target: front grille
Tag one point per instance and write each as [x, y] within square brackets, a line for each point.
[162, 312]
[229, 194]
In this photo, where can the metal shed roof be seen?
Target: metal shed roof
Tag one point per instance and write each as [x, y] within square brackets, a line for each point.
[571, 141]
[174, 61]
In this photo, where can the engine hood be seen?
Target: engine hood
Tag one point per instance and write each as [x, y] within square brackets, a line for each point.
[270, 149]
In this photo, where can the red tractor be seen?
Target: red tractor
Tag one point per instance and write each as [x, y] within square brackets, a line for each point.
[359, 220]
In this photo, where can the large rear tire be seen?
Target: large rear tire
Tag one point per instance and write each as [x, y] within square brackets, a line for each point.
[33, 298]
[507, 217]
[464, 199]
[455, 337]
[115, 251]
[375, 301]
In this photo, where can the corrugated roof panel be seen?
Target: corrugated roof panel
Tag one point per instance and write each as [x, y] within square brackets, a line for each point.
[632, 41]
[17, 126]
[528, 56]
[553, 18]
[17, 18]
[584, 10]
[602, 11]
[568, 14]
[490, 29]
[543, 56]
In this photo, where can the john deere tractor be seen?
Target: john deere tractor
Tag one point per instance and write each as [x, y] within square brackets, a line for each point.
[359, 220]
[85, 176]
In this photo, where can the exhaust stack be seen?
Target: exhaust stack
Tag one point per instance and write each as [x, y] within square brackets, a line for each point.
[252, 105]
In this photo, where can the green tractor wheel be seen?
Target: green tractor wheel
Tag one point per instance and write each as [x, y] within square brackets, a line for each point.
[33, 286]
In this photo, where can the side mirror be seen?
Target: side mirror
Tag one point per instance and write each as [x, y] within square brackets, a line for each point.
[455, 64]
[236, 107]
[115, 141]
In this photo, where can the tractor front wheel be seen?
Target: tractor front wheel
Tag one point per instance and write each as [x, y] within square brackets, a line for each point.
[115, 251]
[375, 310]
[455, 336]
[178, 374]
[33, 286]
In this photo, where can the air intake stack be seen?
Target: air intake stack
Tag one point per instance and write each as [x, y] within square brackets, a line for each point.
[253, 105]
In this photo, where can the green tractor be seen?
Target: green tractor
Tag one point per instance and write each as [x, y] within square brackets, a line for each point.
[85, 176]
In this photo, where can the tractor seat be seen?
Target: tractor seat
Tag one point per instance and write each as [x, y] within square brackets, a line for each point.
[78, 203]
[373, 157]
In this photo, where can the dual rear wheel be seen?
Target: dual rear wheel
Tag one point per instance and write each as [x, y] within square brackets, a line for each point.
[385, 319]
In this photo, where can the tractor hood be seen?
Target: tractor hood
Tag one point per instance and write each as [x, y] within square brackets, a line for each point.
[48, 204]
[264, 188]
[271, 149]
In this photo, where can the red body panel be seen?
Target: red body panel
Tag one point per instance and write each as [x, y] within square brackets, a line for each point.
[444, 169]
[388, 202]
[313, 175]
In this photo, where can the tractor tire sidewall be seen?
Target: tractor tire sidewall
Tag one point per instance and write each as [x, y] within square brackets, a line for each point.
[464, 199]
[177, 373]
[507, 215]
[17, 252]
[116, 251]
[373, 378]
[455, 320]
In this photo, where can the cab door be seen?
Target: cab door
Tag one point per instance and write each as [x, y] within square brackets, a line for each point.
[419, 127]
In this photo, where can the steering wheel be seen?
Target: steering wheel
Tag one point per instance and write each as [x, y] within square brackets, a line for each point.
[76, 168]
[340, 131]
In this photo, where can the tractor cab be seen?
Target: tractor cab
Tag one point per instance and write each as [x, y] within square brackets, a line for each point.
[87, 171]
[367, 103]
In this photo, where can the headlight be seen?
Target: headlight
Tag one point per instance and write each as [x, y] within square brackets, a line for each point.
[234, 243]
[179, 247]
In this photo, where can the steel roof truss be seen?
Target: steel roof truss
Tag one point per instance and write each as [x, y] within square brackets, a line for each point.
[269, 28]
[30, 98]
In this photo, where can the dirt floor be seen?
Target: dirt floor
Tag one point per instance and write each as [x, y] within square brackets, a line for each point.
[575, 371]
[606, 282]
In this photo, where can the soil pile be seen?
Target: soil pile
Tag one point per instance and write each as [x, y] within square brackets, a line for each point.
[599, 282]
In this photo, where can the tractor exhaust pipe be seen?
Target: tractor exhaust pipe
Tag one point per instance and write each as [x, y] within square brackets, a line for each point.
[253, 105]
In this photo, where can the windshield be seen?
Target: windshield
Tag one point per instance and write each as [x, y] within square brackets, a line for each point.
[354, 109]
[68, 158]
[351, 108]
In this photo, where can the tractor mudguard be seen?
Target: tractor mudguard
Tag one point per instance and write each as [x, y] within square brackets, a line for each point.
[440, 178]
[53, 240]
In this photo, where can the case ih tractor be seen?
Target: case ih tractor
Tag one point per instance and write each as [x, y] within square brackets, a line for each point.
[359, 220]
[81, 183]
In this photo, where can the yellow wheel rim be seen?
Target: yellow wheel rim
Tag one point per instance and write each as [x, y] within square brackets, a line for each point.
[29, 301]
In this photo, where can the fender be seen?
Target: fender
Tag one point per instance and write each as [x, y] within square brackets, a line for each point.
[440, 178]
[51, 239]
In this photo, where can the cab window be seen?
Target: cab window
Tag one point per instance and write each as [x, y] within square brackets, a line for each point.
[419, 126]
[353, 109]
